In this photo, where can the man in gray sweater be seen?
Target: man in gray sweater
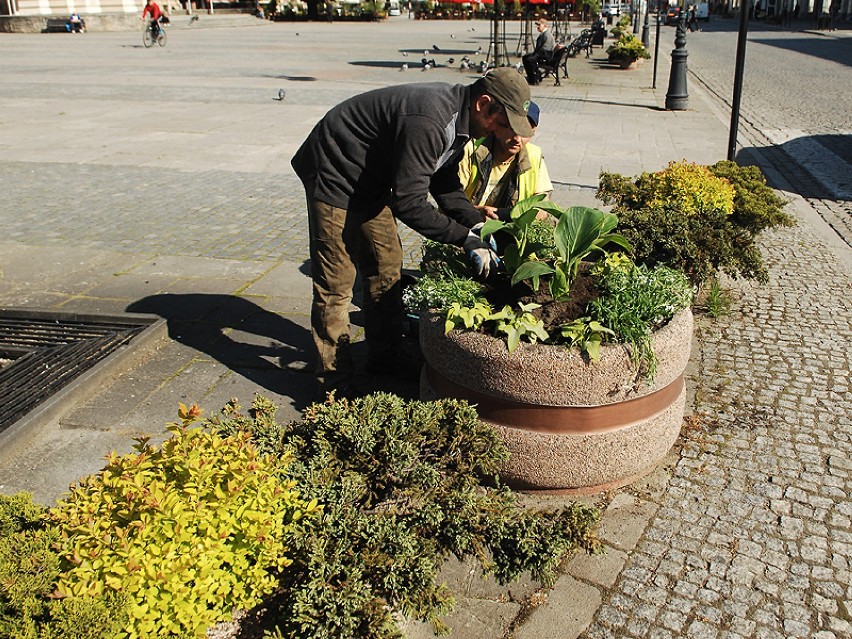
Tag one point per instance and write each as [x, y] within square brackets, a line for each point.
[375, 158]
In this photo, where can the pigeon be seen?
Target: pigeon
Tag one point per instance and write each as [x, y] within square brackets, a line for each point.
[405, 54]
[453, 36]
[435, 47]
[193, 19]
[465, 59]
[427, 66]
[425, 53]
[404, 67]
[463, 65]
[424, 62]
[281, 94]
[483, 66]
[451, 61]
[478, 51]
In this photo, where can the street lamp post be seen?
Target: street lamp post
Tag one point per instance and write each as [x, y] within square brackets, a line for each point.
[677, 98]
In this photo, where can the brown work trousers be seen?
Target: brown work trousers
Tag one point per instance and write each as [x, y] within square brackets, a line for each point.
[343, 242]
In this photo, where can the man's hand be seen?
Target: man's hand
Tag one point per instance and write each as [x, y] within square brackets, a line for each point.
[487, 212]
[481, 254]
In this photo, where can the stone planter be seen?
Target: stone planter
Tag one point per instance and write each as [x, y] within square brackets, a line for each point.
[570, 425]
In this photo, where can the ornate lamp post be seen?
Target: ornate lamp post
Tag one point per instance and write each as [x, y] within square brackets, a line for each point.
[677, 98]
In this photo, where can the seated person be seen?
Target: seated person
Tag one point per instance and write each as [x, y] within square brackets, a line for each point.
[503, 168]
[545, 43]
[76, 24]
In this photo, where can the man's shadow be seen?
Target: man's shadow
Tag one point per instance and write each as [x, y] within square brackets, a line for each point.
[264, 347]
[269, 350]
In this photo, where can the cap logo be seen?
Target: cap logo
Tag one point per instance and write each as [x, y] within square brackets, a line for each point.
[526, 106]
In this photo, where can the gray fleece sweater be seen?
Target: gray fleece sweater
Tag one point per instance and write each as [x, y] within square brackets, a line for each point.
[392, 147]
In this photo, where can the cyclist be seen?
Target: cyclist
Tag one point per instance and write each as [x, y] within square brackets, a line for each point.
[153, 9]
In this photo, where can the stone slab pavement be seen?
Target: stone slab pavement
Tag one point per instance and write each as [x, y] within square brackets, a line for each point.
[158, 181]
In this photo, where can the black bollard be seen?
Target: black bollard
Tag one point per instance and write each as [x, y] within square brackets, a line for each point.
[677, 99]
[646, 38]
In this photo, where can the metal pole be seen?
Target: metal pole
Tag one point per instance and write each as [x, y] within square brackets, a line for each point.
[656, 48]
[637, 14]
[677, 98]
[645, 41]
[738, 79]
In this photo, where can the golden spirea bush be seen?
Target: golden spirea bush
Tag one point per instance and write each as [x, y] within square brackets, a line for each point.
[188, 532]
[691, 186]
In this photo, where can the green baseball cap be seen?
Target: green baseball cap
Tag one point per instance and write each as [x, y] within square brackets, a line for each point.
[510, 89]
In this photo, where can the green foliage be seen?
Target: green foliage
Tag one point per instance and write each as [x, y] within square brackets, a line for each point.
[579, 232]
[627, 47]
[481, 317]
[516, 326]
[187, 532]
[680, 217]
[587, 335]
[756, 206]
[434, 291]
[471, 318]
[29, 573]
[401, 487]
[635, 301]
[713, 299]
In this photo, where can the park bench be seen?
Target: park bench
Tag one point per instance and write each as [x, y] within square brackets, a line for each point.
[550, 66]
[56, 25]
[582, 42]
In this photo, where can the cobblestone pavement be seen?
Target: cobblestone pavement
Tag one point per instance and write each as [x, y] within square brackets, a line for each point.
[745, 532]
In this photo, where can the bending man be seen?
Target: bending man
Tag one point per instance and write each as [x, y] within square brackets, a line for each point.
[371, 159]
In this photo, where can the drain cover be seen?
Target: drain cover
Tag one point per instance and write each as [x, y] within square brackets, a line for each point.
[50, 350]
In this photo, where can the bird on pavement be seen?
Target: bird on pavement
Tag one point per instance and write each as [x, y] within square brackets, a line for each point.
[405, 54]
[193, 19]
[451, 61]
[435, 47]
[404, 67]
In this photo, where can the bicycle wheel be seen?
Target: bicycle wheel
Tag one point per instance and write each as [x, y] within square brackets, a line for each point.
[147, 38]
[161, 38]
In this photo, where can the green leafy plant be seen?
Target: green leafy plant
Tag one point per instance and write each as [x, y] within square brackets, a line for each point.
[186, 532]
[468, 317]
[627, 47]
[636, 300]
[516, 326]
[433, 291]
[714, 299]
[579, 232]
[30, 568]
[682, 217]
[586, 334]
[402, 487]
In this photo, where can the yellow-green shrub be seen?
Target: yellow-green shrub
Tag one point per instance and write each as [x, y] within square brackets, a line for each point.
[189, 531]
[692, 186]
[29, 570]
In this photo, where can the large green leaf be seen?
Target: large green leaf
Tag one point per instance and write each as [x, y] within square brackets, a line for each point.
[577, 231]
[531, 270]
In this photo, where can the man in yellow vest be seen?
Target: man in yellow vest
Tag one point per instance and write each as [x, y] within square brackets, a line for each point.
[499, 170]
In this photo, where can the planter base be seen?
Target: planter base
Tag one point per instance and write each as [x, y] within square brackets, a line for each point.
[583, 463]
[570, 425]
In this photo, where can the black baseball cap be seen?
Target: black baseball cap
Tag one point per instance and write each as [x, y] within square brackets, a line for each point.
[510, 89]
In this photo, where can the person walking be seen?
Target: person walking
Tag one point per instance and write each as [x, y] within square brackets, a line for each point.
[371, 160]
[545, 43]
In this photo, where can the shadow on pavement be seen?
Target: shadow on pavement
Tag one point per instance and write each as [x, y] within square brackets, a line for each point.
[264, 347]
[811, 173]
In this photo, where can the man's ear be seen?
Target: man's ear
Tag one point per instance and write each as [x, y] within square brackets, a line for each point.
[483, 103]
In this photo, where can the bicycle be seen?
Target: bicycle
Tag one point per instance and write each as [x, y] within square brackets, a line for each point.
[154, 32]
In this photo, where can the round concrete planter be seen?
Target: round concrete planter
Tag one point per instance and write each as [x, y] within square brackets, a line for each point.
[571, 425]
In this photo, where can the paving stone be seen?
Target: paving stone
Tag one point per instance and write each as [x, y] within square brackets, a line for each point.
[570, 607]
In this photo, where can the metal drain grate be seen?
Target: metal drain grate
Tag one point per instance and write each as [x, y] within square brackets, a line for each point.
[49, 351]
